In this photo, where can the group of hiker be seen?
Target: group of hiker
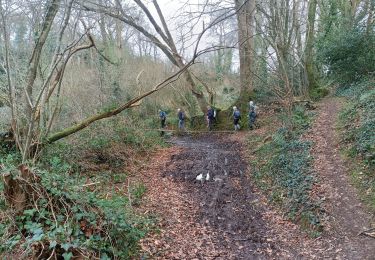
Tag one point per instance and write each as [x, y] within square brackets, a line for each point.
[252, 115]
[211, 117]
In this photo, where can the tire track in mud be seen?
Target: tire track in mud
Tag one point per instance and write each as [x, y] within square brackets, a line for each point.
[226, 202]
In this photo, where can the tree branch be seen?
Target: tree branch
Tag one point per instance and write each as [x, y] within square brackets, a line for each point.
[85, 123]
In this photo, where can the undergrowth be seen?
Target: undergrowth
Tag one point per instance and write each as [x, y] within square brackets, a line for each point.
[64, 218]
[74, 214]
[129, 133]
[284, 171]
[357, 124]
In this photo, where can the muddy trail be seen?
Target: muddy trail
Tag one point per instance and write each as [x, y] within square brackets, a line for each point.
[220, 213]
[226, 199]
[227, 217]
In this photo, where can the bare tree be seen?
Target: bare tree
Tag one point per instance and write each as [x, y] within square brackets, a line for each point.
[30, 120]
[310, 37]
[162, 38]
[281, 25]
[46, 69]
[246, 30]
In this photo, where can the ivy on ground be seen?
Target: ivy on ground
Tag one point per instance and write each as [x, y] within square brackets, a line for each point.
[285, 173]
[357, 123]
[64, 218]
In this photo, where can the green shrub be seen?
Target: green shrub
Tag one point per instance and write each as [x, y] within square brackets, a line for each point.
[65, 218]
[319, 93]
[301, 119]
[348, 54]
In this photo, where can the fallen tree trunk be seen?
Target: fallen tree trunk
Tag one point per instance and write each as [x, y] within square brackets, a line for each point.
[132, 103]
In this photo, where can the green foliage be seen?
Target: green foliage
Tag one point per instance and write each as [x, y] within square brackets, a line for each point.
[192, 104]
[348, 54]
[301, 119]
[137, 191]
[318, 93]
[263, 95]
[285, 172]
[358, 119]
[67, 217]
[357, 124]
[130, 133]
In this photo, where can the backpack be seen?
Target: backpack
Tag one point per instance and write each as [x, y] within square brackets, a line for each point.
[162, 115]
[252, 115]
[236, 114]
[252, 108]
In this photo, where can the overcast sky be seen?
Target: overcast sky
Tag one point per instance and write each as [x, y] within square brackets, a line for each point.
[172, 10]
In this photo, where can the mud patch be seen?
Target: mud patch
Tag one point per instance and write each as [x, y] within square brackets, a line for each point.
[226, 200]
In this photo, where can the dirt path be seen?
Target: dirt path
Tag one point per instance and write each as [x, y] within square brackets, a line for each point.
[218, 218]
[226, 217]
[347, 216]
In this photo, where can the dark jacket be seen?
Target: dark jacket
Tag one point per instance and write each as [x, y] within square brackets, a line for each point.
[210, 114]
[181, 115]
[236, 114]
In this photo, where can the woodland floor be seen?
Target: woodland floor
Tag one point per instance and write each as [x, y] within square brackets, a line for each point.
[228, 218]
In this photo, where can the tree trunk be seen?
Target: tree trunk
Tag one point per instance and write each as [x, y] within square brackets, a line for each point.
[37, 51]
[31, 76]
[103, 31]
[309, 58]
[370, 18]
[246, 24]
[301, 72]
[18, 190]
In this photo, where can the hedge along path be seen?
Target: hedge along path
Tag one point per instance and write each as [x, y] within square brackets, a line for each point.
[347, 217]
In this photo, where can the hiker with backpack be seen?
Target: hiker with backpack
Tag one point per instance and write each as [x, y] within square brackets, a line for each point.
[236, 118]
[252, 114]
[210, 117]
[163, 118]
[181, 119]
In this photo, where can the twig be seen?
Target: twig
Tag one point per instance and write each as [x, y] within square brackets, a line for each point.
[367, 233]
[52, 210]
[91, 184]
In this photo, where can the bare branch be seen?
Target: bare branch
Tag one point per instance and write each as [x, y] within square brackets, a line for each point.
[85, 123]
